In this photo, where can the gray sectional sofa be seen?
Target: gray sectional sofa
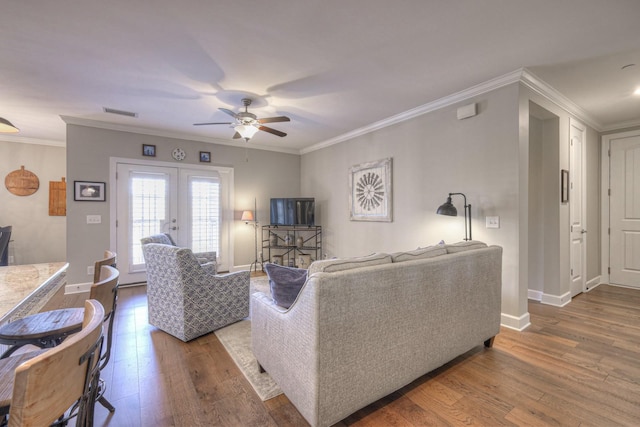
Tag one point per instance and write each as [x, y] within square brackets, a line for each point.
[362, 328]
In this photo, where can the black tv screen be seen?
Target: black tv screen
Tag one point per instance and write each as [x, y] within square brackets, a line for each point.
[299, 211]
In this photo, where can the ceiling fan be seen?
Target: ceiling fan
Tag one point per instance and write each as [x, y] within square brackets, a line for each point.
[247, 124]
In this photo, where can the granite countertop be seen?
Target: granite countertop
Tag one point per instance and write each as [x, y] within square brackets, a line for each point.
[19, 283]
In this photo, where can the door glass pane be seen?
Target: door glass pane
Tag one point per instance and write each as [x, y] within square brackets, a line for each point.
[148, 201]
[205, 214]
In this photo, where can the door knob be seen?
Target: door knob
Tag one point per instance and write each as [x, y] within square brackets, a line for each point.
[583, 231]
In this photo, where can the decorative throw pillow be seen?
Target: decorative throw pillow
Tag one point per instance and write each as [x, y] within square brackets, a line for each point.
[465, 246]
[341, 264]
[285, 283]
[420, 253]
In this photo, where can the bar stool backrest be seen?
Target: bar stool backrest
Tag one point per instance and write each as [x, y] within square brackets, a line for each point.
[49, 384]
[106, 291]
[109, 259]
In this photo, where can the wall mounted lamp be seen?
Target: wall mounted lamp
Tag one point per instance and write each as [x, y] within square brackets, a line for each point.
[448, 209]
[7, 127]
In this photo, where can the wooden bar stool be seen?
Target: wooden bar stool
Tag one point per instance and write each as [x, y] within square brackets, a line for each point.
[45, 330]
[43, 388]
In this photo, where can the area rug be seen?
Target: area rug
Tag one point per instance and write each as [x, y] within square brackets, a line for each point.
[236, 339]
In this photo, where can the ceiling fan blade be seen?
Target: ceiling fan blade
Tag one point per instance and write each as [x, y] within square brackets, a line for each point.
[237, 136]
[229, 112]
[274, 119]
[215, 123]
[273, 131]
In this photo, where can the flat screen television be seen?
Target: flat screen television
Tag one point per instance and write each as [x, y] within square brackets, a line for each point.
[298, 211]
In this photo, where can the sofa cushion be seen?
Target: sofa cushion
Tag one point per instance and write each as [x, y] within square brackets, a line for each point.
[420, 253]
[285, 283]
[465, 246]
[341, 264]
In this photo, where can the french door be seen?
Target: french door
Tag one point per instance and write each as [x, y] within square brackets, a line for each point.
[189, 204]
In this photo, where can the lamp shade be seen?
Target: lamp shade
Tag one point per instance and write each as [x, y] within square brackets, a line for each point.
[247, 216]
[447, 208]
[246, 131]
[7, 127]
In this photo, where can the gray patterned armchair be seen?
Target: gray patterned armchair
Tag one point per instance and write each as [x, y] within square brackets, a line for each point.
[185, 300]
[205, 258]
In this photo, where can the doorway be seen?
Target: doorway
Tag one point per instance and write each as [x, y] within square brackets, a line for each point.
[577, 207]
[193, 204]
[621, 215]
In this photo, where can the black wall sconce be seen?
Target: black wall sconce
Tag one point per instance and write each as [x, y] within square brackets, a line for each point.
[448, 209]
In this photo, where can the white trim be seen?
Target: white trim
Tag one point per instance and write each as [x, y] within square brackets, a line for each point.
[556, 300]
[463, 95]
[541, 87]
[168, 134]
[518, 323]
[534, 295]
[23, 140]
[621, 125]
[594, 283]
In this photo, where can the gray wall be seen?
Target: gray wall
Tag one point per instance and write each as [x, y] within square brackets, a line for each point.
[37, 237]
[265, 175]
[433, 154]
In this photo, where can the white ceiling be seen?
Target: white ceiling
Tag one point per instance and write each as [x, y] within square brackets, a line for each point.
[332, 66]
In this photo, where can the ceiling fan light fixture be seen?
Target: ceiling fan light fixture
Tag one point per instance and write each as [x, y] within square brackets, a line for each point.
[637, 92]
[7, 127]
[246, 131]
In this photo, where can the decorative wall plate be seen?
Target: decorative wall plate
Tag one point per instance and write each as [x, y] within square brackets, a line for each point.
[178, 154]
[22, 182]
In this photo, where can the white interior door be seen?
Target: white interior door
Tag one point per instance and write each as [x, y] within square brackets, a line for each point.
[577, 207]
[147, 204]
[624, 205]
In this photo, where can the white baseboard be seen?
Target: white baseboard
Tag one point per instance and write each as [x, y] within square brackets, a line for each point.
[556, 300]
[534, 295]
[593, 283]
[77, 288]
[518, 323]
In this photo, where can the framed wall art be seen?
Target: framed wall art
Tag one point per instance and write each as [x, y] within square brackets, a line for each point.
[88, 191]
[205, 156]
[370, 191]
[148, 150]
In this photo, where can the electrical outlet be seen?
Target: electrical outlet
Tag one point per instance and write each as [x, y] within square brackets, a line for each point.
[493, 221]
[90, 270]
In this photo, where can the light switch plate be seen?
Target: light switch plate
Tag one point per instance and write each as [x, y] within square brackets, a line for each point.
[94, 219]
[493, 221]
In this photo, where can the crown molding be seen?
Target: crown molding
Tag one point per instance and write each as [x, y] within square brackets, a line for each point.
[23, 140]
[69, 120]
[541, 87]
[463, 95]
[621, 126]
[521, 75]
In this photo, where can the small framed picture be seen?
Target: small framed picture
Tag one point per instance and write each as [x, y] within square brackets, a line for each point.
[148, 150]
[205, 156]
[88, 191]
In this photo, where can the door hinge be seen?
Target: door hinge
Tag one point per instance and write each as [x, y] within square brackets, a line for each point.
[609, 192]
[116, 222]
[609, 152]
[609, 270]
[572, 272]
[609, 231]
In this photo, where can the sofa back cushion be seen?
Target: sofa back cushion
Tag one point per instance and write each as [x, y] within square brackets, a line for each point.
[465, 246]
[341, 264]
[285, 283]
[420, 253]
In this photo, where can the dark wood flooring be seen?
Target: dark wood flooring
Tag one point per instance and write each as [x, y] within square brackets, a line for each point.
[575, 366]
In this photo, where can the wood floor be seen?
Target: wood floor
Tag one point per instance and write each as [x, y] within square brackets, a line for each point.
[575, 366]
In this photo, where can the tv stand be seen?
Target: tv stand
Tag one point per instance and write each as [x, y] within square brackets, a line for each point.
[292, 245]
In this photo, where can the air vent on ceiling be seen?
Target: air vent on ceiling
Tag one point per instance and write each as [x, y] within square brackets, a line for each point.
[120, 112]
